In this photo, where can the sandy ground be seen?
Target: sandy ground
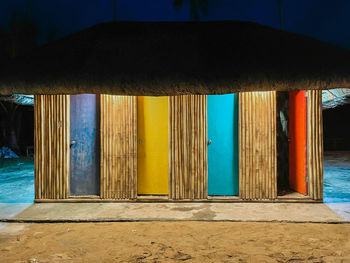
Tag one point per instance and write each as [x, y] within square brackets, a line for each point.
[175, 242]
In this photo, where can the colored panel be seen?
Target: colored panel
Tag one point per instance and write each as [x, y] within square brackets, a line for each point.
[152, 151]
[84, 153]
[297, 144]
[223, 150]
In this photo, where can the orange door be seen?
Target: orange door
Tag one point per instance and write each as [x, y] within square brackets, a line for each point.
[297, 144]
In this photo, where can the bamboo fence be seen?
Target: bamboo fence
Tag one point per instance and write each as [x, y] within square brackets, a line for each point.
[188, 147]
[315, 144]
[118, 147]
[257, 145]
[51, 143]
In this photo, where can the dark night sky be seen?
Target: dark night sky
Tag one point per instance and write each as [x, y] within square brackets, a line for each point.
[327, 20]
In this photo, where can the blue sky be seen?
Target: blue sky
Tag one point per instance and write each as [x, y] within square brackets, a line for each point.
[327, 20]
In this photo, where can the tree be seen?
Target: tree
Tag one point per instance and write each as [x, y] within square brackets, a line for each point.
[196, 7]
[23, 34]
[30, 9]
[5, 45]
[20, 40]
[8, 131]
[114, 10]
[280, 7]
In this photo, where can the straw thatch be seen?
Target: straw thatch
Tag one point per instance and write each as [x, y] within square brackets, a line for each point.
[171, 58]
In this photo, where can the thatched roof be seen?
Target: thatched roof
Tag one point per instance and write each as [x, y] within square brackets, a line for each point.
[169, 58]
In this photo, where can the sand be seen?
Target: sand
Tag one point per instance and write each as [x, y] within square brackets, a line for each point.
[176, 242]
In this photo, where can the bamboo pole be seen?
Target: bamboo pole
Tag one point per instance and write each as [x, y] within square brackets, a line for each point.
[188, 143]
[315, 144]
[51, 143]
[118, 147]
[257, 145]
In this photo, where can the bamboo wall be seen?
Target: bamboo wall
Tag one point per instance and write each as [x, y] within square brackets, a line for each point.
[51, 142]
[257, 145]
[188, 147]
[118, 147]
[315, 144]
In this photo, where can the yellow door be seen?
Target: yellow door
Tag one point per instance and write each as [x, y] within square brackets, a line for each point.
[152, 148]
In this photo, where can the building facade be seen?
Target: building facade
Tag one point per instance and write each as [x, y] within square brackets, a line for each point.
[176, 148]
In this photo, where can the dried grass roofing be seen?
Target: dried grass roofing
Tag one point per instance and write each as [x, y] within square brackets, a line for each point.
[172, 58]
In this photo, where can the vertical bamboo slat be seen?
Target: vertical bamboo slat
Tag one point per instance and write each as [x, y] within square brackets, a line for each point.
[315, 144]
[257, 145]
[188, 147]
[118, 147]
[51, 143]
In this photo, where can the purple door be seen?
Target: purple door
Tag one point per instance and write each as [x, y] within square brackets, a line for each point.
[84, 147]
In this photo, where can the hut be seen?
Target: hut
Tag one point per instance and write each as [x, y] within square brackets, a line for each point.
[209, 131]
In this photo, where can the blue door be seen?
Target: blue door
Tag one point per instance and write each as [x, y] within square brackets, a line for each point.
[84, 148]
[222, 144]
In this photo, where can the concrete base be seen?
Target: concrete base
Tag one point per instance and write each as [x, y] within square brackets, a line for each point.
[245, 212]
[10, 210]
[342, 209]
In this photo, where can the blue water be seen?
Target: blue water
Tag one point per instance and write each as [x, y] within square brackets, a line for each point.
[336, 185]
[17, 180]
